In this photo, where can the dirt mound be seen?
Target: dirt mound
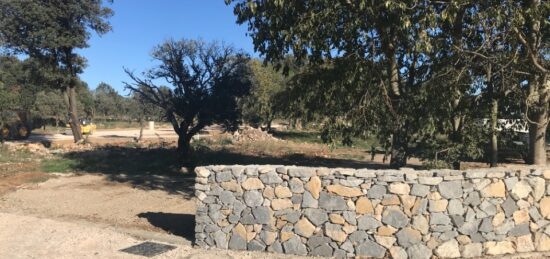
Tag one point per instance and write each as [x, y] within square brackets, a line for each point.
[252, 134]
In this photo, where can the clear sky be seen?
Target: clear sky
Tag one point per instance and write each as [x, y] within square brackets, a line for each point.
[139, 25]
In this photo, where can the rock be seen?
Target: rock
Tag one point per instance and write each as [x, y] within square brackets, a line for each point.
[316, 241]
[370, 249]
[398, 253]
[525, 244]
[224, 176]
[420, 190]
[364, 206]
[303, 172]
[314, 186]
[494, 190]
[376, 192]
[419, 251]
[543, 243]
[473, 199]
[450, 190]
[521, 216]
[262, 215]
[252, 184]
[520, 230]
[395, 218]
[281, 204]
[448, 249]
[438, 205]
[202, 172]
[439, 218]
[486, 225]
[232, 186]
[236, 242]
[253, 198]
[268, 237]
[521, 190]
[472, 250]
[408, 237]
[227, 198]
[544, 207]
[283, 192]
[256, 245]
[368, 223]
[337, 219]
[304, 228]
[391, 199]
[335, 232]
[220, 239]
[469, 228]
[385, 241]
[399, 188]
[509, 206]
[430, 180]
[324, 250]
[455, 207]
[420, 206]
[489, 208]
[296, 186]
[344, 191]
[332, 202]
[269, 192]
[498, 219]
[499, 248]
[276, 247]
[271, 178]
[539, 187]
[358, 236]
[308, 201]
[510, 182]
[420, 223]
[316, 216]
[294, 246]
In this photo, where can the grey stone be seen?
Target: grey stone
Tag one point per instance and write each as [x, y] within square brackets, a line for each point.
[376, 191]
[332, 202]
[236, 242]
[227, 198]
[211, 228]
[351, 182]
[296, 186]
[472, 250]
[470, 215]
[455, 207]
[256, 245]
[420, 190]
[534, 213]
[419, 251]
[220, 239]
[475, 174]
[422, 207]
[450, 190]
[295, 246]
[271, 178]
[358, 236]
[276, 247]
[469, 227]
[370, 249]
[473, 199]
[247, 218]
[316, 216]
[301, 172]
[316, 241]
[308, 201]
[407, 237]
[510, 182]
[441, 228]
[296, 199]
[439, 218]
[368, 223]
[509, 206]
[292, 216]
[348, 246]
[323, 250]
[395, 218]
[486, 225]
[253, 198]
[504, 228]
[350, 217]
[421, 224]
[430, 180]
[251, 171]
[448, 235]
[340, 254]
[489, 208]
[477, 238]
[224, 176]
[261, 214]
[520, 230]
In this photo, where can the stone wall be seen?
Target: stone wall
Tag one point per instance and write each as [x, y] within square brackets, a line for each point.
[374, 213]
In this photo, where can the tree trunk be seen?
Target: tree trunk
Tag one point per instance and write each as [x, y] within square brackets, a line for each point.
[537, 137]
[494, 136]
[184, 148]
[399, 148]
[73, 114]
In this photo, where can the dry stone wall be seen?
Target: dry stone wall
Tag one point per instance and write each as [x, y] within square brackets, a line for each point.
[373, 213]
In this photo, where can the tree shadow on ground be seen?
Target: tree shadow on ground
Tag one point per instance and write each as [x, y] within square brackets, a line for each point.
[182, 225]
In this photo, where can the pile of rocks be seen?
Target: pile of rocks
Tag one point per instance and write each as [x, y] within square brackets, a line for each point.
[373, 213]
[252, 134]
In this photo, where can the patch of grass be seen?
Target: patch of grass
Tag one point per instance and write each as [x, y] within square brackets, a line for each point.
[58, 165]
[314, 137]
[15, 156]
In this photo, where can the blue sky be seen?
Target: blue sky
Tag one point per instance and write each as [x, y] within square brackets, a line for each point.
[139, 25]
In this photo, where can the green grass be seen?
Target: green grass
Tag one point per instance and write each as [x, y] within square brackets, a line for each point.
[58, 165]
[314, 137]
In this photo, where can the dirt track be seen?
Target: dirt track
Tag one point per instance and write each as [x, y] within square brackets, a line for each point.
[109, 136]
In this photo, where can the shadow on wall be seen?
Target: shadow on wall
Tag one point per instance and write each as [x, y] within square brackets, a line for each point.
[182, 225]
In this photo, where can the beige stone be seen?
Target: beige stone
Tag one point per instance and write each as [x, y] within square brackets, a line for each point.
[337, 219]
[281, 223]
[498, 219]
[232, 186]
[364, 206]
[543, 243]
[438, 205]
[336, 235]
[286, 235]
[525, 244]
[304, 228]
[399, 188]
[499, 248]
[434, 196]
[408, 203]
[449, 249]
[344, 191]
[521, 190]
[282, 192]
[281, 204]
[252, 184]
[314, 186]
[269, 192]
[545, 207]
[521, 216]
[391, 200]
[397, 252]
[269, 237]
[546, 174]
[202, 172]
[385, 241]
[433, 243]
[417, 205]
[349, 228]
[463, 239]
[386, 231]
[494, 190]
[240, 230]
